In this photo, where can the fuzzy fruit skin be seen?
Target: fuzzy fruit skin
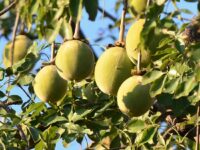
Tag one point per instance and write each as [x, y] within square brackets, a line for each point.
[138, 6]
[112, 68]
[133, 98]
[74, 60]
[48, 85]
[22, 43]
[133, 41]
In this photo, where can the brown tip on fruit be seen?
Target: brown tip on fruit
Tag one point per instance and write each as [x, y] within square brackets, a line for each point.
[120, 44]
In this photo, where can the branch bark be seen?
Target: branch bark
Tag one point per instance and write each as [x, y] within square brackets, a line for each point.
[12, 4]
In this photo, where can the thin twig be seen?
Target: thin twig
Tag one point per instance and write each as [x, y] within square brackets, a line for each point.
[122, 25]
[197, 129]
[24, 91]
[106, 14]
[12, 4]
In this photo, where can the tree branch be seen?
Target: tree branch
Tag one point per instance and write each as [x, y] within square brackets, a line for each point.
[12, 4]
[24, 91]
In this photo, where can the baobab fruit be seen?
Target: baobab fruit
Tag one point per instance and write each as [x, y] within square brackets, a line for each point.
[21, 46]
[137, 6]
[112, 68]
[133, 43]
[48, 85]
[133, 98]
[75, 60]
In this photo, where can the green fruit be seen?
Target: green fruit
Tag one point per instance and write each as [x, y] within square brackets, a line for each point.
[112, 68]
[133, 41]
[137, 6]
[22, 43]
[133, 98]
[74, 60]
[48, 85]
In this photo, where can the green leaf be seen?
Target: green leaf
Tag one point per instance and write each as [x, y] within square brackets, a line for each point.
[161, 139]
[91, 8]
[15, 99]
[80, 114]
[40, 146]
[102, 110]
[2, 94]
[26, 79]
[35, 134]
[157, 86]
[54, 32]
[171, 85]
[35, 109]
[66, 30]
[164, 42]
[75, 7]
[135, 125]
[75, 128]
[53, 119]
[151, 76]
[185, 87]
[146, 135]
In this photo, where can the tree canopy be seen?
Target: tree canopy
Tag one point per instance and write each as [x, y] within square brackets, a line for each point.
[166, 55]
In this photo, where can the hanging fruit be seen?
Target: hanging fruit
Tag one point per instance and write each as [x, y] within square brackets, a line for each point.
[75, 59]
[21, 45]
[48, 85]
[112, 68]
[133, 43]
[133, 98]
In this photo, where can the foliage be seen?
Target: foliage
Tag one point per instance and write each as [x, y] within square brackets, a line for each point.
[173, 73]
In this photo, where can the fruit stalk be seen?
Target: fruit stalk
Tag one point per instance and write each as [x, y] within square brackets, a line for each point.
[52, 51]
[139, 62]
[13, 37]
[122, 25]
[77, 30]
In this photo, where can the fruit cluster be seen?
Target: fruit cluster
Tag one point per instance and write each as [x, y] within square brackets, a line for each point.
[75, 61]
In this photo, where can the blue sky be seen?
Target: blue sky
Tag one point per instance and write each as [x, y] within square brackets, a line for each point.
[92, 30]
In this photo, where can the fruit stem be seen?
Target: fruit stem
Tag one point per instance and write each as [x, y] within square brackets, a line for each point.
[122, 25]
[13, 37]
[52, 51]
[139, 62]
[22, 27]
[77, 30]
